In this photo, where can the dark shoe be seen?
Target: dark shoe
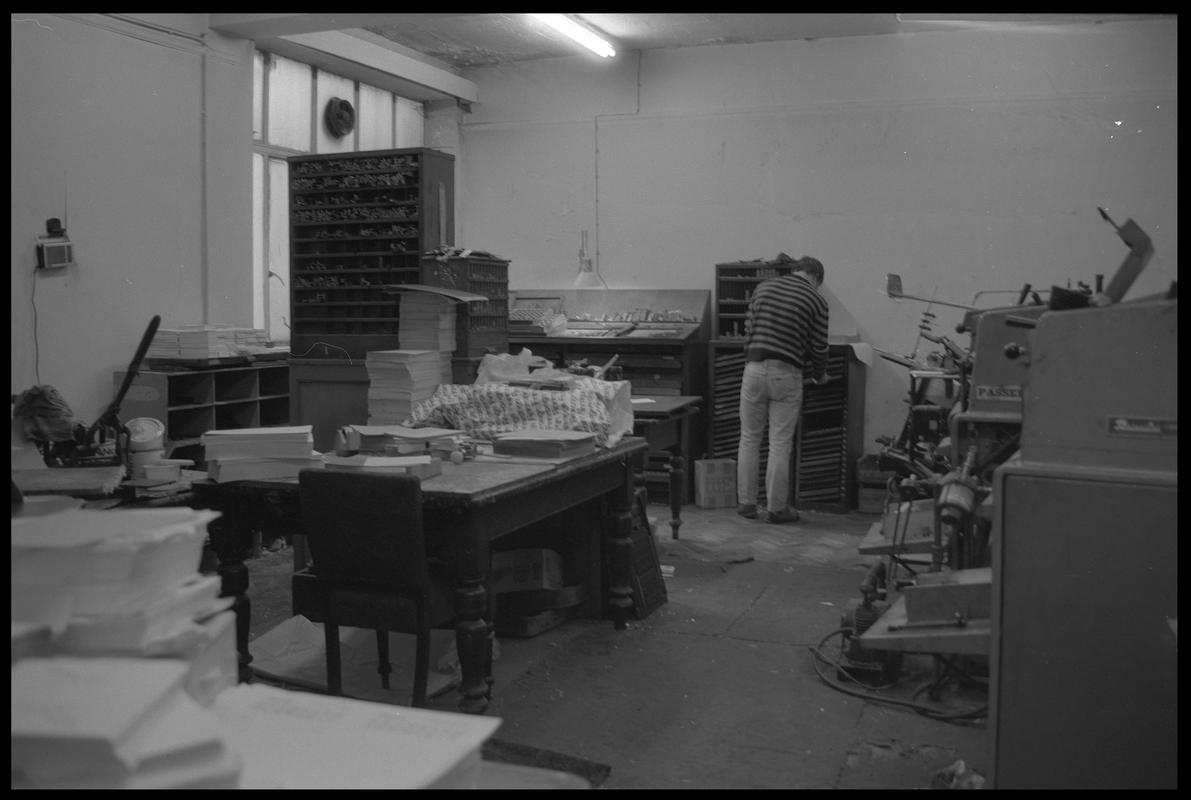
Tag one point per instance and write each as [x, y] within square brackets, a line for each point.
[783, 516]
[747, 511]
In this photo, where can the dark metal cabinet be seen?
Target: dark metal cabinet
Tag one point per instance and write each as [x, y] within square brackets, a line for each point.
[830, 437]
[829, 440]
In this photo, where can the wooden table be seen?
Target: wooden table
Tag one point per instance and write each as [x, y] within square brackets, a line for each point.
[464, 510]
[664, 421]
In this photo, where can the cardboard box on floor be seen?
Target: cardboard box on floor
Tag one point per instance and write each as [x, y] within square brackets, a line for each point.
[715, 483]
[525, 570]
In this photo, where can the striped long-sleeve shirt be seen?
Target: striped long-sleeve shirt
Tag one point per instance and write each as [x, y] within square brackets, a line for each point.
[787, 320]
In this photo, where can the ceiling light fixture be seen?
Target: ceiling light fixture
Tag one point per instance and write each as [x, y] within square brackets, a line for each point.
[567, 26]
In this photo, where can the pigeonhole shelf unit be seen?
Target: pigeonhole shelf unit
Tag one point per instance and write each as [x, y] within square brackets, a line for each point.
[830, 436]
[358, 222]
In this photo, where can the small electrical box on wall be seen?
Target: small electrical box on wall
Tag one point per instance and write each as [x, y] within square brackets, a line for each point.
[54, 250]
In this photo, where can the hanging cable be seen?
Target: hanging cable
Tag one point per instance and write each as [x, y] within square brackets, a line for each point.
[36, 346]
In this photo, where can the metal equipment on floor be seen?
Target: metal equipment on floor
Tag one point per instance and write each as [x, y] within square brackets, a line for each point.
[1071, 431]
[1084, 658]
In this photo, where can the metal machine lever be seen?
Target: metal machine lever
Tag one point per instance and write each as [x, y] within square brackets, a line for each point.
[958, 621]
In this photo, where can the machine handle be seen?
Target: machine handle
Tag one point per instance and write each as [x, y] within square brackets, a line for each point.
[1014, 351]
[111, 415]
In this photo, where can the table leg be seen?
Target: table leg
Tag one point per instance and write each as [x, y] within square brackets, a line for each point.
[474, 630]
[473, 644]
[618, 528]
[677, 490]
[231, 544]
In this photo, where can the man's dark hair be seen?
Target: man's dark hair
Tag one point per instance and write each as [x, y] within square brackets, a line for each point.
[811, 266]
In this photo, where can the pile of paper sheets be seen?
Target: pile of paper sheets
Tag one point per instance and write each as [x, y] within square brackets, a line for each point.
[259, 453]
[427, 322]
[397, 381]
[114, 723]
[114, 581]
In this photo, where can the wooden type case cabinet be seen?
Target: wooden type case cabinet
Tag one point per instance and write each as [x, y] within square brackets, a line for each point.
[358, 222]
[829, 440]
[191, 402]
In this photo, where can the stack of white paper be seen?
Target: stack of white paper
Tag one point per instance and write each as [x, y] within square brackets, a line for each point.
[392, 440]
[113, 723]
[421, 465]
[207, 341]
[114, 581]
[358, 744]
[250, 338]
[427, 322]
[165, 344]
[397, 381]
[203, 342]
[294, 441]
[259, 453]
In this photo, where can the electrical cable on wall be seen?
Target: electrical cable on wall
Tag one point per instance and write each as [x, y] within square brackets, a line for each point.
[325, 344]
[36, 347]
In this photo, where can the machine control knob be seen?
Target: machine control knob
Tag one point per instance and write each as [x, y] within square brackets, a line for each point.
[1014, 351]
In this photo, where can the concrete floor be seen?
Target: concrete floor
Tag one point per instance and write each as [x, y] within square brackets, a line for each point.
[718, 688]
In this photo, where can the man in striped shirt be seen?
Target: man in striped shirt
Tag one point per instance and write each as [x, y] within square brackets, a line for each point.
[786, 342]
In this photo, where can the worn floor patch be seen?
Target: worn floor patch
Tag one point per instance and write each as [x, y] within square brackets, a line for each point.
[893, 764]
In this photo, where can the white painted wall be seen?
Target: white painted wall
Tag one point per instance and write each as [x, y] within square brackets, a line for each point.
[140, 140]
[962, 161]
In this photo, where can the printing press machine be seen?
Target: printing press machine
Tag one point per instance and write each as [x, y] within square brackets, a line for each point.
[1078, 613]
[1084, 651]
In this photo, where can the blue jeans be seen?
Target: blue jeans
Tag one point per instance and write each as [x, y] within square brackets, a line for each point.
[770, 391]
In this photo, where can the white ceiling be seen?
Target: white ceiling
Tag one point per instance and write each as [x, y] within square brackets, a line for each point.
[473, 40]
[427, 56]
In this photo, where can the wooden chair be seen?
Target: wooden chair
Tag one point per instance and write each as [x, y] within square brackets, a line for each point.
[370, 566]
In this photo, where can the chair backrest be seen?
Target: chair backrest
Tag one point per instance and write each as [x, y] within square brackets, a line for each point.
[364, 528]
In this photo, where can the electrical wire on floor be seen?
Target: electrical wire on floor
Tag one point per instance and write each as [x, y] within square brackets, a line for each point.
[972, 715]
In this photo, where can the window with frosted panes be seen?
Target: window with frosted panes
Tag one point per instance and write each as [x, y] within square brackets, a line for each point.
[288, 99]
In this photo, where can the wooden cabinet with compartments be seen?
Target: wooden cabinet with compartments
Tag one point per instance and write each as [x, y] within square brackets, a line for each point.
[359, 222]
[190, 402]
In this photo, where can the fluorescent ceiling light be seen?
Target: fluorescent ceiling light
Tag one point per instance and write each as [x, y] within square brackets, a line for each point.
[569, 27]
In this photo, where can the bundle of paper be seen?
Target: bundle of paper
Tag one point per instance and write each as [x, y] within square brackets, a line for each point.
[398, 380]
[113, 723]
[544, 443]
[280, 442]
[360, 744]
[264, 468]
[113, 581]
[423, 466]
[392, 440]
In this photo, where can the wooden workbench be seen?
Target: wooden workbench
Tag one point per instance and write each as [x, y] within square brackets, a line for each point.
[464, 510]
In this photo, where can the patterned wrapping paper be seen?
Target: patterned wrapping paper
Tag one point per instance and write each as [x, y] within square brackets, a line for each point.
[485, 410]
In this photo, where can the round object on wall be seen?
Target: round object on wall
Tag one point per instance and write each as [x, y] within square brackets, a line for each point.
[339, 117]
